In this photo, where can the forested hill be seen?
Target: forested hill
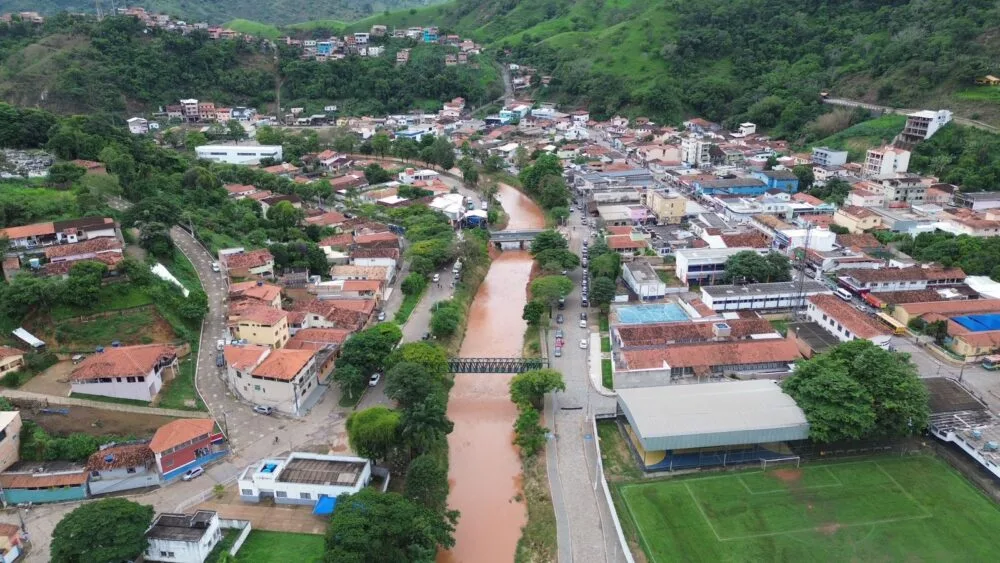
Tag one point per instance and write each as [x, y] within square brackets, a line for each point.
[79, 65]
[219, 11]
[760, 60]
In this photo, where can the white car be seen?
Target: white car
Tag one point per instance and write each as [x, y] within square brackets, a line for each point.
[583, 343]
[192, 473]
[374, 379]
[220, 344]
[215, 267]
[583, 323]
[381, 316]
[436, 278]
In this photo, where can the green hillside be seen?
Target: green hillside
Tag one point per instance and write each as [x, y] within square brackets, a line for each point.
[219, 11]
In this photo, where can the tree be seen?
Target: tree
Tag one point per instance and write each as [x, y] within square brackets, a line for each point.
[605, 265]
[235, 131]
[110, 529]
[268, 135]
[553, 192]
[529, 435]
[751, 267]
[65, 173]
[533, 311]
[470, 175]
[531, 386]
[350, 378]
[155, 237]
[409, 384]
[413, 284]
[547, 240]
[603, 291]
[562, 259]
[805, 175]
[83, 287]
[836, 406]
[560, 213]
[284, 215]
[443, 152]
[431, 357]
[368, 349]
[445, 318]
[427, 482]
[375, 174]
[425, 422]
[195, 139]
[373, 432]
[380, 144]
[373, 526]
[549, 289]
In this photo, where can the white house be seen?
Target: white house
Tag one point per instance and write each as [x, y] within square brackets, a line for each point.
[886, 162]
[642, 279]
[183, 538]
[411, 175]
[119, 468]
[303, 478]
[283, 379]
[138, 126]
[238, 154]
[129, 372]
[842, 320]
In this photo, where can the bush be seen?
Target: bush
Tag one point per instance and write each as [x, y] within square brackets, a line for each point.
[529, 435]
[413, 284]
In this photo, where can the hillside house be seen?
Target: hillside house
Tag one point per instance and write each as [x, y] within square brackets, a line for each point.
[127, 372]
[258, 324]
[250, 264]
[116, 468]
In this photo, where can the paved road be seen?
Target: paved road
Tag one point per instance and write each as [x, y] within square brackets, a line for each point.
[583, 518]
[885, 109]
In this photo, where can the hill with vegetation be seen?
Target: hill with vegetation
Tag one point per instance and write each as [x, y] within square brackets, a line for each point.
[218, 11]
[80, 65]
[764, 61]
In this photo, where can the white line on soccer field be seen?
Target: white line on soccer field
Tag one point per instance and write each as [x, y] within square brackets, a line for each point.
[838, 483]
[902, 488]
[702, 511]
[638, 528]
[815, 528]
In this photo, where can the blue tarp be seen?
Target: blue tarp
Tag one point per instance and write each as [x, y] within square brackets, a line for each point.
[325, 505]
[979, 323]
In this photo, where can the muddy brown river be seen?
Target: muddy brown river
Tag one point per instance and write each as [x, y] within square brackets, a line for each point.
[485, 470]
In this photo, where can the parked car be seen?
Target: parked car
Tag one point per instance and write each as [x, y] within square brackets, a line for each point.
[559, 318]
[426, 336]
[583, 323]
[381, 316]
[220, 361]
[583, 316]
[192, 473]
[583, 343]
[557, 352]
[436, 278]
[261, 409]
[220, 344]
[374, 379]
[215, 267]
[559, 333]
[584, 302]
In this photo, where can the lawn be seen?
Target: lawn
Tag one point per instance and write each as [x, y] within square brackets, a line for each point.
[860, 137]
[605, 344]
[279, 547]
[112, 296]
[607, 376]
[881, 509]
[179, 393]
[980, 94]
[129, 328]
[407, 306]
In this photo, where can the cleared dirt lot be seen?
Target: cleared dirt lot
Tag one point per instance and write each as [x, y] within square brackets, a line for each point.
[96, 422]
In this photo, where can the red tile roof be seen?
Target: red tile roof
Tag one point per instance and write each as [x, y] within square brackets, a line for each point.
[283, 364]
[92, 246]
[376, 252]
[117, 457]
[327, 219]
[342, 240]
[122, 362]
[864, 240]
[8, 352]
[262, 315]
[235, 189]
[263, 291]
[963, 307]
[651, 334]
[42, 480]
[242, 358]
[755, 239]
[620, 242]
[35, 230]
[858, 323]
[252, 259]
[385, 236]
[362, 285]
[900, 274]
[740, 352]
[856, 212]
[317, 338]
[177, 432]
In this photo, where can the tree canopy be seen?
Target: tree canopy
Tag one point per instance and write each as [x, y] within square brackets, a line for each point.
[373, 432]
[751, 267]
[531, 386]
[857, 391]
[550, 288]
[110, 529]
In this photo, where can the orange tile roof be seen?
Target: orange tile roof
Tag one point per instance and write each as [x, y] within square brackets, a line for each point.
[116, 457]
[740, 352]
[652, 334]
[317, 338]
[234, 189]
[617, 242]
[176, 432]
[251, 259]
[362, 285]
[327, 219]
[122, 362]
[92, 246]
[8, 352]
[962, 307]
[754, 239]
[35, 230]
[262, 315]
[342, 241]
[385, 236]
[42, 480]
[264, 292]
[242, 358]
[283, 364]
[858, 323]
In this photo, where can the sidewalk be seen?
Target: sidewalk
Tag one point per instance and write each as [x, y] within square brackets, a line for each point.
[596, 356]
[72, 401]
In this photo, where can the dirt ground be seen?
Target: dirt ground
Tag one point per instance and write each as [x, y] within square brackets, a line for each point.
[53, 381]
[158, 331]
[267, 515]
[96, 422]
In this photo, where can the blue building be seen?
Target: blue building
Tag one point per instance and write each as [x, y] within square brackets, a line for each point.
[324, 48]
[40, 483]
[784, 180]
[430, 35]
[731, 186]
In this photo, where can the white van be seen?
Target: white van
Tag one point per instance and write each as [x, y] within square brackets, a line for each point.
[844, 294]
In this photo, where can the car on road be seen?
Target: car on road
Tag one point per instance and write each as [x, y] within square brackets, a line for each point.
[426, 336]
[584, 302]
[586, 242]
[583, 343]
[215, 267]
[583, 316]
[583, 323]
[192, 473]
[262, 409]
[220, 344]
[559, 333]
[557, 352]
[565, 272]
[381, 316]
[220, 361]
[436, 278]
[374, 379]
[559, 318]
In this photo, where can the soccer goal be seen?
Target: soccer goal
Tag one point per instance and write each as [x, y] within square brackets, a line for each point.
[766, 464]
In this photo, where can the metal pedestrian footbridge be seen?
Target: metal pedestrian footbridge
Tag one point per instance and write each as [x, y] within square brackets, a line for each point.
[514, 236]
[496, 365]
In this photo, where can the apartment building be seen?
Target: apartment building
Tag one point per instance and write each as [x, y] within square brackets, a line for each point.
[885, 162]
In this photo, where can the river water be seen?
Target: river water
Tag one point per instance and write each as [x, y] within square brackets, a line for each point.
[485, 470]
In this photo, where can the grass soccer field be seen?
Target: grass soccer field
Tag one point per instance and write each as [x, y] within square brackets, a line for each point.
[884, 509]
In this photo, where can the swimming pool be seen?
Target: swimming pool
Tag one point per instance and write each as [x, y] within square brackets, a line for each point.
[653, 313]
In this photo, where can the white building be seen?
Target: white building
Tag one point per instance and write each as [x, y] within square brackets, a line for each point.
[303, 478]
[120, 468]
[411, 175]
[183, 538]
[129, 372]
[825, 156]
[239, 154]
[705, 265]
[886, 162]
[921, 125]
[696, 152]
[452, 205]
[283, 379]
[138, 126]
[761, 296]
[641, 278]
[842, 320]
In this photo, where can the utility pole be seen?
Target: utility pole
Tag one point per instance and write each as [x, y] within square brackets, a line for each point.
[97, 8]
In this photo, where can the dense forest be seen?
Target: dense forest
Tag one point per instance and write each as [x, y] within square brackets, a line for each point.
[80, 65]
